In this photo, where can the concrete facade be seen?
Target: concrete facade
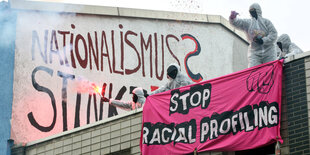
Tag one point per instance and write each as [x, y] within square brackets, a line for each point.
[62, 49]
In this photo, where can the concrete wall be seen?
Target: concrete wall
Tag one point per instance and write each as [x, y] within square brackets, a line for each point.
[61, 50]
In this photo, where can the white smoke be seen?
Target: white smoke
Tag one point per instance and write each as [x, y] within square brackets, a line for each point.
[83, 85]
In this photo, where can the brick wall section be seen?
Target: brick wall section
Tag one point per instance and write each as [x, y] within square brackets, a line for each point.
[297, 111]
[120, 136]
[284, 123]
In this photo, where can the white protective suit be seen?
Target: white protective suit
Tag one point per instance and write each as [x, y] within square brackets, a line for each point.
[179, 81]
[130, 105]
[288, 48]
[258, 54]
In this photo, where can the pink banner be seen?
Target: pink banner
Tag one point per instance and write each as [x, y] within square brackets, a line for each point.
[238, 111]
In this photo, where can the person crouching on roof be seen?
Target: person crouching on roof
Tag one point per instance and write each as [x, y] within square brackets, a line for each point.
[138, 100]
[286, 47]
[176, 79]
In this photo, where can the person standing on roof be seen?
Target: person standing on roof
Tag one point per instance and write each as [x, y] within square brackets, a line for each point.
[286, 47]
[261, 34]
[176, 79]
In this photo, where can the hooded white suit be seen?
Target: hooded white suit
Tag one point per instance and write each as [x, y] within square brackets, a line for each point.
[130, 105]
[258, 54]
[288, 48]
[179, 81]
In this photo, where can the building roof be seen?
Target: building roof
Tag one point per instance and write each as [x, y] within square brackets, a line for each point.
[124, 12]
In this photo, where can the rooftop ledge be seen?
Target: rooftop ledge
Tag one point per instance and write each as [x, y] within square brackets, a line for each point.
[124, 12]
[297, 56]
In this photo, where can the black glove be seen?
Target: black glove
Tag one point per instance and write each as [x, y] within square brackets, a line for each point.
[146, 95]
[284, 57]
[258, 40]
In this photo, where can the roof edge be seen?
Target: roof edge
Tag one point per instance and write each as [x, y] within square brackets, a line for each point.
[297, 57]
[124, 12]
